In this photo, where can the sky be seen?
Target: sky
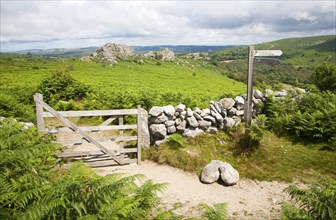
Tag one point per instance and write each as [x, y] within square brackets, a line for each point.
[71, 24]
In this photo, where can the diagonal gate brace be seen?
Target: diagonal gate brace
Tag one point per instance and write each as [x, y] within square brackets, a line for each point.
[75, 128]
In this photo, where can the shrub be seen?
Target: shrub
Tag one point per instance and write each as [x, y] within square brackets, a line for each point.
[217, 212]
[247, 141]
[32, 188]
[177, 140]
[62, 86]
[257, 131]
[26, 166]
[10, 107]
[324, 77]
[317, 202]
[311, 118]
[81, 193]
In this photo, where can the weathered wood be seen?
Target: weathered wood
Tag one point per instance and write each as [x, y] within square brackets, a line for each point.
[77, 129]
[107, 163]
[83, 140]
[248, 101]
[92, 153]
[268, 61]
[121, 134]
[126, 138]
[39, 113]
[93, 113]
[80, 154]
[104, 156]
[91, 158]
[95, 128]
[100, 163]
[267, 53]
[97, 158]
[108, 121]
[80, 141]
[139, 135]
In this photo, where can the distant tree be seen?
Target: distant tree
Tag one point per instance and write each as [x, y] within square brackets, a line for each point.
[324, 77]
[215, 59]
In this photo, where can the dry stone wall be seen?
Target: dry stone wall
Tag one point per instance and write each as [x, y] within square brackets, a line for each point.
[220, 115]
[162, 121]
[26, 125]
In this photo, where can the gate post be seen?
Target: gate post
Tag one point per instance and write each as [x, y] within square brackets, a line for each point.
[139, 134]
[39, 112]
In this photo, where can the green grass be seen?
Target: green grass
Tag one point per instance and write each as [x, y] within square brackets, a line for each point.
[303, 51]
[182, 81]
[300, 58]
[276, 159]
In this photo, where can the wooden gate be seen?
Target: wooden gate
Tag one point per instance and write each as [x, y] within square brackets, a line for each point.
[106, 151]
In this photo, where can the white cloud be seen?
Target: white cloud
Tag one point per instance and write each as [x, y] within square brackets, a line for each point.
[302, 16]
[46, 24]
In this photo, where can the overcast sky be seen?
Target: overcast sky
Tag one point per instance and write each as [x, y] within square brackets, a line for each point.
[68, 24]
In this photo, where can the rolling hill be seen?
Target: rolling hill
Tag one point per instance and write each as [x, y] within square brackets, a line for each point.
[130, 82]
[85, 51]
[306, 51]
[300, 58]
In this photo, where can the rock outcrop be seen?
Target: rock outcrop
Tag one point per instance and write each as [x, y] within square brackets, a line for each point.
[167, 54]
[149, 54]
[112, 52]
[164, 54]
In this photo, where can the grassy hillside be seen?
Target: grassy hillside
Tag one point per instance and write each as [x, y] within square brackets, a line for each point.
[276, 158]
[300, 58]
[123, 85]
[151, 82]
[305, 51]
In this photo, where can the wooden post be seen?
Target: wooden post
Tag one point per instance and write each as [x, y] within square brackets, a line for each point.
[39, 113]
[249, 95]
[139, 134]
[121, 134]
[248, 101]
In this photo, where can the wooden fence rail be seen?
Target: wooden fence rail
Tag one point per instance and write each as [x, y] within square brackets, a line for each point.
[103, 156]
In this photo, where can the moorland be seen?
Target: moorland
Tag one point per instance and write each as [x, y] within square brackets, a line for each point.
[295, 142]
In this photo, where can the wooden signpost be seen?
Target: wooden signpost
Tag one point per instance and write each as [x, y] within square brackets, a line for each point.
[248, 103]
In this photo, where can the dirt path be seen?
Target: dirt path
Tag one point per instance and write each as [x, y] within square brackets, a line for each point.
[246, 200]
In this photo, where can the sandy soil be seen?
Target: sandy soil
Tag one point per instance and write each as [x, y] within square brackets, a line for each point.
[247, 199]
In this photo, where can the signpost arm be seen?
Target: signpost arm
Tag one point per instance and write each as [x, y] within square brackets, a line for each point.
[248, 101]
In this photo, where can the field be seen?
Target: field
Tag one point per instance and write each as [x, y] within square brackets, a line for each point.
[122, 85]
